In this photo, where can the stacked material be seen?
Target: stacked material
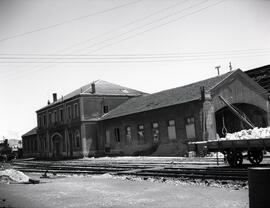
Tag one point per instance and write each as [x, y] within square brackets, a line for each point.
[255, 133]
[11, 175]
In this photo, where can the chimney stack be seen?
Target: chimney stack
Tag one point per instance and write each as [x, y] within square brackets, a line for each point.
[54, 97]
[93, 87]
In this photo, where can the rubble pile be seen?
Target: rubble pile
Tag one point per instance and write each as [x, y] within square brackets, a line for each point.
[255, 133]
[11, 175]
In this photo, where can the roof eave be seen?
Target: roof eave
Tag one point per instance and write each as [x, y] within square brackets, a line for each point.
[103, 118]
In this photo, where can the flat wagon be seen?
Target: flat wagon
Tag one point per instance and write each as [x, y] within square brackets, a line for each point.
[234, 150]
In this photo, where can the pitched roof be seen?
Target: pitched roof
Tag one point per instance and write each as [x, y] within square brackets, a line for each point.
[102, 88]
[261, 75]
[31, 132]
[165, 98]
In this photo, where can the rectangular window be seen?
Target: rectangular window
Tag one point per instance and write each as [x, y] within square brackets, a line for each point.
[45, 144]
[140, 133]
[128, 134]
[77, 138]
[76, 110]
[39, 121]
[69, 112]
[35, 144]
[105, 109]
[44, 120]
[107, 140]
[55, 116]
[61, 115]
[50, 118]
[155, 132]
[117, 134]
[190, 127]
[171, 129]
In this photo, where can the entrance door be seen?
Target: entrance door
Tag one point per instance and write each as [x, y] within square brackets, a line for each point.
[56, 146]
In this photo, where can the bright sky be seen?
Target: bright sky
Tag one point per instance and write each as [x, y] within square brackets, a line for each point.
[154, 44]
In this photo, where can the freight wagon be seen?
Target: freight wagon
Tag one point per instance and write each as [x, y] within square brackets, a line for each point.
[235, 150]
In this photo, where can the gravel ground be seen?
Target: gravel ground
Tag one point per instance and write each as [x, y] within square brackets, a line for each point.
[121, 192]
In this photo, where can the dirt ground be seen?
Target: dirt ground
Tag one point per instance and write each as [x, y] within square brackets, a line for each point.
[107, 191]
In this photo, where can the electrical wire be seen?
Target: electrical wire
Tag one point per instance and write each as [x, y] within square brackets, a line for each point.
[67, 21]
[132, 56]
[136, 60]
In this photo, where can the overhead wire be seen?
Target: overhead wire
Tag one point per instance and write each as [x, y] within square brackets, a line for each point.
[132, 56]
[147, 24]
[158, 26]
[67, 21]
[123, 26]
[140, 54]
[132, 59]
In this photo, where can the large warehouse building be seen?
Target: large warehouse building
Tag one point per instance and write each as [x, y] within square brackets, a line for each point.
[107, 119]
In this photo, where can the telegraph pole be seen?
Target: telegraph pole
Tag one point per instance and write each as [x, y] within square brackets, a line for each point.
[217, 68]
[230, 66]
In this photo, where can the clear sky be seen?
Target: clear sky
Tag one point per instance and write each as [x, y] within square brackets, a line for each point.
[149, 45]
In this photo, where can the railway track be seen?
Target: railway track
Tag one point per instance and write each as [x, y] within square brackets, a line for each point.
[141, 169]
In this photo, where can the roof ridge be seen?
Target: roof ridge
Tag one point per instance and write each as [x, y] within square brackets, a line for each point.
[187, 85]
[229, 74]
[152, 101]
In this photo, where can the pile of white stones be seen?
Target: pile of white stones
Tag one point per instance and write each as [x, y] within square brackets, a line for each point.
[255, 133]
[11, 175]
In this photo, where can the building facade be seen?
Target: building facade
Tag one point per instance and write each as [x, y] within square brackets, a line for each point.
[68, 127]
[163, 123]
[106, 119]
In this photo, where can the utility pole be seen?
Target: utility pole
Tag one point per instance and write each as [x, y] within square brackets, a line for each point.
[217, 68]
[230, 66]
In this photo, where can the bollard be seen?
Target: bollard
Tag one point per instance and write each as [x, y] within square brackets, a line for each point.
[259, 187]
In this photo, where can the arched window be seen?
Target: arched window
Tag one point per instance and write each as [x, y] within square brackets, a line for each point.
[77, 138]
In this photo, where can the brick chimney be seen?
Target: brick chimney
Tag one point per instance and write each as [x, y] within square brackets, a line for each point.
[54, 97]
[93, 86]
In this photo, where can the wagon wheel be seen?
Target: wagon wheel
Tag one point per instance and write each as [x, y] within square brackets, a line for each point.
[255, 157]
[238, 159]
[234, 158]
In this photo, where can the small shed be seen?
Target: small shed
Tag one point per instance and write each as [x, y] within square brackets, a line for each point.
[29, 143]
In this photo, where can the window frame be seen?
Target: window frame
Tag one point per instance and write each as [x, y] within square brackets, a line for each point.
[128, 133]
[61, 115]
[77, 138]
[141, 132]
[171, 126]
[190, 123]
[155, 130]
[117, 136]
[69, 112]
[105, 109]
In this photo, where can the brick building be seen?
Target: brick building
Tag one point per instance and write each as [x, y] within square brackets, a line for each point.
[163, 123]
[68, 127]
[107, 119]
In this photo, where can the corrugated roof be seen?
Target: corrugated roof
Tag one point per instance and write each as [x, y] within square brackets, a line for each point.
[31, 132]
[102, 88]
[165, 98]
